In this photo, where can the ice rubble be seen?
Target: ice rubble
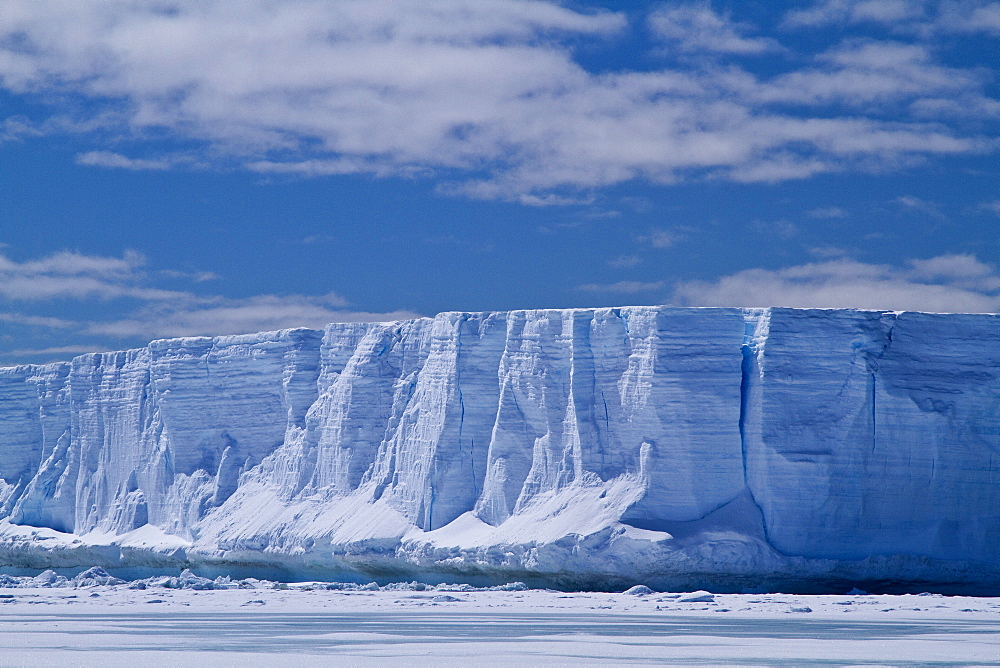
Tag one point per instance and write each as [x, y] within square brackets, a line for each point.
[718, 448]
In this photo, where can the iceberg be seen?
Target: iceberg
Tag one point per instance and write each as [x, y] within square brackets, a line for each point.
[723, 449]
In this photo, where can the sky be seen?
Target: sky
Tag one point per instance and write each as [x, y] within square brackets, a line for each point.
[182, 168]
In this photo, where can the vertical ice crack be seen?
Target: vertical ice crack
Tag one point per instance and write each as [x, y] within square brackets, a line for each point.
[874, 423]
[748, 366]
[472, 442]
[607, 427]
[873, 366]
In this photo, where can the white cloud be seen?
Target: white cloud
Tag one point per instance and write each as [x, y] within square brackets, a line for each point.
[963, 270]
[859, 73]
[660, 238]
[143, 311]
[945, 284]
[827, 212]
[318, 167]
[15, 128]
[117, 161]
[828, 252]
[992, 206]
[916, 204]
[970, 16]
[625, 261]
[237, 316]
[924, 17]
[70, 275]
[484, 96]
[696, 28]
[826, 12]
[623, 287]
[196, 276]
[37, 321]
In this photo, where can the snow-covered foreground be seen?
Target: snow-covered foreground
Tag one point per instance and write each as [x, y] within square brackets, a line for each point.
[308, 624]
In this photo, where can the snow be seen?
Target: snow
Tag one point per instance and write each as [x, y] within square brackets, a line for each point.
[728, 450]
[95, 620]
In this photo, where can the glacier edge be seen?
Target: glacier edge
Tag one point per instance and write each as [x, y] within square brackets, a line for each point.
[679, 447]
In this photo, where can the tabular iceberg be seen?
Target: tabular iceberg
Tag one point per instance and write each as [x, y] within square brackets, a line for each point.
[734, 449]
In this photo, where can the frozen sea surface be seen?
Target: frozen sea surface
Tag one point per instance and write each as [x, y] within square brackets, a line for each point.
[305, 625]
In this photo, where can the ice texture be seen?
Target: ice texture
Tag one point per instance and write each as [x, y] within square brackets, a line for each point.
[702, 447]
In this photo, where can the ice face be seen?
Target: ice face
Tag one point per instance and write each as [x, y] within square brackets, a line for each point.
[878, 434]
[633, 443]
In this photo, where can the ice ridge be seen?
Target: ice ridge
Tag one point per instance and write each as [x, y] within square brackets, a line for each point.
[704, 447]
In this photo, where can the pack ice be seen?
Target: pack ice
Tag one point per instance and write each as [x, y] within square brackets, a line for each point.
[729, 449]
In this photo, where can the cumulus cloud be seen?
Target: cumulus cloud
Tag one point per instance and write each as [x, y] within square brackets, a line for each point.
[484, 96]
[944, 284]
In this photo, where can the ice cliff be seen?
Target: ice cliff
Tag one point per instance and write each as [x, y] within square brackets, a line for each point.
[678, 447]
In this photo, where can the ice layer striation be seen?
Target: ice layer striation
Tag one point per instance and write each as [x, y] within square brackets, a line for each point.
[678, 447]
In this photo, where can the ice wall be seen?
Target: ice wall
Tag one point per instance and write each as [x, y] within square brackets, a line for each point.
[877, 433]
[671, 445]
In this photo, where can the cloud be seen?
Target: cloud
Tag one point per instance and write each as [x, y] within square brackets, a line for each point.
[916, 204]
[922, 17]
[70, 275]
[137, 310]
[625, 261]
[992, 206]
[659, 238]
[196, 276]
[857, 73]
[117, 161]
[964, 270]
[624, 287]
[827, 212]
[965, 16]
[37, 321]
[827, 252]
[826, 12]
[486, 97]
[14, 128]
[238, 316]
[944, 284]
[697, 28]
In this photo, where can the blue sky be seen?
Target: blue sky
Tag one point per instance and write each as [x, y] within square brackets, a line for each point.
[186, 168]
